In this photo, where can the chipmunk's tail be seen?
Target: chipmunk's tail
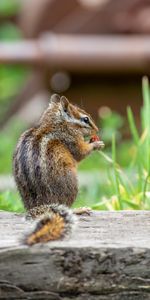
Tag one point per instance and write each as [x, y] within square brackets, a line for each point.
[52, 222]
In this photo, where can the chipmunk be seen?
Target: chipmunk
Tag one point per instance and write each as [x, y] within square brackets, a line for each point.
[45, 163]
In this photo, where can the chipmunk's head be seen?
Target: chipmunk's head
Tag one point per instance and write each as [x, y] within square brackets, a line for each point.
[63, 112]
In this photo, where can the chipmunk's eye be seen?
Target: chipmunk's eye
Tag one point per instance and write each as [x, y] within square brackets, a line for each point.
[85, 120]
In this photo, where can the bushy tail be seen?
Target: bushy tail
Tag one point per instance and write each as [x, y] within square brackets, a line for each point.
[53, 222]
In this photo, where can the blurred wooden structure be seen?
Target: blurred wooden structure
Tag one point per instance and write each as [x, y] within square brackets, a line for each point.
[81, 53]
[85, 17]
[98, 46]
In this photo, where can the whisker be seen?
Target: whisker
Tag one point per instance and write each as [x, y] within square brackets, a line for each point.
[81, 103]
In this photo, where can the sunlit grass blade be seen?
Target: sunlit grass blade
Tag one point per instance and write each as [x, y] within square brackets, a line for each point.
[146, 126]
[145, 187]
[107, 157]
[115, 170]
[139, 161]
[146, 118]
[132, 125]
[144, 136]
[146, 107]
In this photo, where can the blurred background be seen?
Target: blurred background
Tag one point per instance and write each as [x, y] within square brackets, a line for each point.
[95, 52]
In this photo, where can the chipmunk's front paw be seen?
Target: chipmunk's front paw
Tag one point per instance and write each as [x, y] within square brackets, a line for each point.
[82, 211]
[97, 145]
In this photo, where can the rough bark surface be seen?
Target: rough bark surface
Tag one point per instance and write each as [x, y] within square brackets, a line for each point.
[107, 258]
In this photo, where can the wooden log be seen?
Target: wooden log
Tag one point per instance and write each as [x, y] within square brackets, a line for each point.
[107, 257]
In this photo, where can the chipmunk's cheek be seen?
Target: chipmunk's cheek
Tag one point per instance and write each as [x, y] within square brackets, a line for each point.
[86, 135]
[93, 132]
[85, 131]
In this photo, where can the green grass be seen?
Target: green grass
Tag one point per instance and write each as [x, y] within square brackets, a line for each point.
[9, 7]
[11, 201]
[130, 188]
[12, 77]
[8, 140]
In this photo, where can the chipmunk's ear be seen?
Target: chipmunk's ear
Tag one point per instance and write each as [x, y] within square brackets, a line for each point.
[64, 102]
[55, 98]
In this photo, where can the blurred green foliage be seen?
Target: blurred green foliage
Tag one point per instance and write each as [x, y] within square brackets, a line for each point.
[10, 201]
[111, 123]
[11, 77]
[9, 7]
[9, 32]
[11, 80]
[8, 140]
